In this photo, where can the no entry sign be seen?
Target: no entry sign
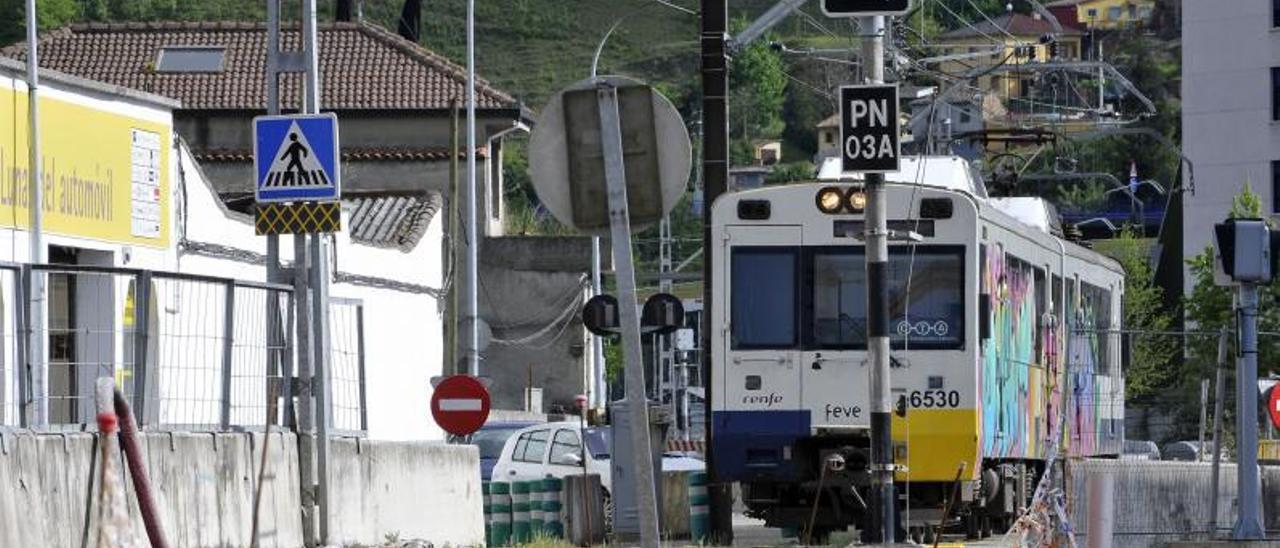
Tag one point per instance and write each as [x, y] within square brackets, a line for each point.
[460, 405]
[1273, 405]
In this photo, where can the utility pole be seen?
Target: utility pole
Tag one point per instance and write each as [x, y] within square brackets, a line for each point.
[1219, 394]
[666, 365]
[36, 300]
[471, 313]
[715, 176]
[884, 499]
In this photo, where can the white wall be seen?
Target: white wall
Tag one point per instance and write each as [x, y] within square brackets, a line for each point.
[403, 332]
[1228, 49]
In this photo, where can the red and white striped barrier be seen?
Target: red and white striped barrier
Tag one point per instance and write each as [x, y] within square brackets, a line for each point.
[691, 446]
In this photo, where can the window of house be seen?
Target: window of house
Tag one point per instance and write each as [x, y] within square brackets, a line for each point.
[1275, 186]
[965, 117]
[1093, 13]
[1275, 93]
[1113, 13]
[1275, 13]
[190, 59]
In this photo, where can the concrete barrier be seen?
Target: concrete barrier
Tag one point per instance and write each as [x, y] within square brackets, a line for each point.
[204, 485]
[418, 490]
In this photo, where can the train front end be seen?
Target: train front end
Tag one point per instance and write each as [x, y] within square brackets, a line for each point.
[789, 361]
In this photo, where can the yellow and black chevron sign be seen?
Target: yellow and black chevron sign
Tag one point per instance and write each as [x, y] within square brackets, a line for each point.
[298, 218]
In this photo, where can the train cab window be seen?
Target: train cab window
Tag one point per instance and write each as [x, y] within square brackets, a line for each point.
[929, 314]
[762, 297]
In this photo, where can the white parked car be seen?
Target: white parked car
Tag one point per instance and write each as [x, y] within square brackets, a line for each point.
[555, 450]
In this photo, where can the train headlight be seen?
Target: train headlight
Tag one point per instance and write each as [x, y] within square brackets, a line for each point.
[830, 200]
[856, 200]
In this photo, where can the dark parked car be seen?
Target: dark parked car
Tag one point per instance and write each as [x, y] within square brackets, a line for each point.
[490, 439]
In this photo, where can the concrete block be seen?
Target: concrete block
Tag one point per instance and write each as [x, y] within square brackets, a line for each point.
[415, 490]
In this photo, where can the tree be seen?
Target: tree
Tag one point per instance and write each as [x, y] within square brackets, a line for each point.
[1150, 357]
[50, 14]
[757, 93]
[1209, 306]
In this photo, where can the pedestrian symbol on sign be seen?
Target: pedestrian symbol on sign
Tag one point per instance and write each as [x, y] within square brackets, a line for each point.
[296, 158]
[294, 165]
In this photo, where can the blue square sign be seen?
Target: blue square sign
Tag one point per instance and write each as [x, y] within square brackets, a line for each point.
[295, 158]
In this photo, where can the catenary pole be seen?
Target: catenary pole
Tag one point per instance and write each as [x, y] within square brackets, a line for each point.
[883, 496]
[471, 314]
[35, 234]
[715, 176]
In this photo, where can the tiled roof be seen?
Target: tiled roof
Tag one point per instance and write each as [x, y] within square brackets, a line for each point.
[363, 66]
[349, 154]
[1017, 24]
[392, 221]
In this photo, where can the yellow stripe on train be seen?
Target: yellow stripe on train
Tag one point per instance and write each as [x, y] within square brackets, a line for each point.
[933, 443]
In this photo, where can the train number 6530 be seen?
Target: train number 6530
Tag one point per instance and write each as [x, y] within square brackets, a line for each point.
[927, 399]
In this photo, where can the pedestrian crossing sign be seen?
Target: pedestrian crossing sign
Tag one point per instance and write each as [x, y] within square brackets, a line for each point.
[295, 158]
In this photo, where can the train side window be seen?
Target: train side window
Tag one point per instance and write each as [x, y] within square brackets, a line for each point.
[1042, 306]
[762, 297]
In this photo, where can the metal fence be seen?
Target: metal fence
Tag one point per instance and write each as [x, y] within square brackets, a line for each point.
[191, 352]
[1150, 503]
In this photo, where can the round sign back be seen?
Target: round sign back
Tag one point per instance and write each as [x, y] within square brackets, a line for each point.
[566, 159]
[460, 405]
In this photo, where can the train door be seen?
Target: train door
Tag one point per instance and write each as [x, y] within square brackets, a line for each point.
[761, 369]
[833, 365]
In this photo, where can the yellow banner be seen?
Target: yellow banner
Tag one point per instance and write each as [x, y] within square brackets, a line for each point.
[105, 176]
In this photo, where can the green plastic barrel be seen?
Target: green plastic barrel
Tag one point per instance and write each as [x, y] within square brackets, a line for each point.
[520, 532]
[552, 507]
[699, 511]
[535, 509]
[488, 512]
[500, 513]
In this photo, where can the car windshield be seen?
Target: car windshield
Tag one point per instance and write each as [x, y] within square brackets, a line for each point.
[598, 441]
[491, 440]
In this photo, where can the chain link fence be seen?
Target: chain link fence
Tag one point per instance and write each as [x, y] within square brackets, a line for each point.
[1151, 502]
[190, 352]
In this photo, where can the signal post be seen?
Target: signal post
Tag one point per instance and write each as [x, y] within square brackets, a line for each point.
[869, 144]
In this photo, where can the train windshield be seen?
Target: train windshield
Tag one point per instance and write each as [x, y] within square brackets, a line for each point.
[815, 297]
[929, 313]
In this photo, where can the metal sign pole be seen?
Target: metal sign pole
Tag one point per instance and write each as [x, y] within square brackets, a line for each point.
[39, 369]
[620, 233]
[1249, 522]
[884, 499]
[471, 313]
[318, 280]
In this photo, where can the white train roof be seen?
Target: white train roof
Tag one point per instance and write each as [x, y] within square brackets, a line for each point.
[951, 172]
[1031, 211]
[955, 173]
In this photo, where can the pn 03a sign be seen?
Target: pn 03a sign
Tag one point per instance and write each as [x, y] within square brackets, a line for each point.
[869, 128]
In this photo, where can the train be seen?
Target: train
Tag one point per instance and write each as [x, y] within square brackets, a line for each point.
[1000, 357]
